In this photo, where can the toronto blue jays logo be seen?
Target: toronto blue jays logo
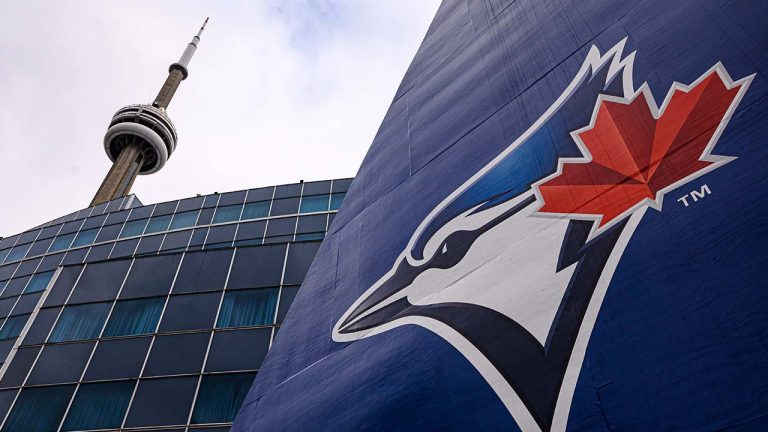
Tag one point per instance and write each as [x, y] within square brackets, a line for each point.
[512, 267]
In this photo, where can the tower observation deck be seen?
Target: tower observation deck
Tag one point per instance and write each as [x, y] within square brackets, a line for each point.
[141, 138]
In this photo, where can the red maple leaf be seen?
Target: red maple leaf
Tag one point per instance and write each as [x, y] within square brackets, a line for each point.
[634, 154]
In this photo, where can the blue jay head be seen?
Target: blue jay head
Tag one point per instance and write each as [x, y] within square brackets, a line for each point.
[494, 193]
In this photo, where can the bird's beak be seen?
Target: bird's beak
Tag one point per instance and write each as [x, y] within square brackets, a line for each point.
[383, 302]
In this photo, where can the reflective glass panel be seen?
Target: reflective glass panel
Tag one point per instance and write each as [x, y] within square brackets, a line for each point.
[80, 322]
[220, 397]
[184, 219]
[12, 326]
[39, 282]
[133, 228]
[99, 406]
[227, 213]
[134, 317]
[17, 252]
[315, 203]
[85, 237]
[39, 409]
[158, 223]
[248, 307]
[256, 210]
[62, 242]
[336, 200]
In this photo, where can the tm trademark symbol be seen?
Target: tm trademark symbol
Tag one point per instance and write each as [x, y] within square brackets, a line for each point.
[695, 195]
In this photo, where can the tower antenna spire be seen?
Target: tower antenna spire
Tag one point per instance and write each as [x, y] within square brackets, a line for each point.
[141, 138]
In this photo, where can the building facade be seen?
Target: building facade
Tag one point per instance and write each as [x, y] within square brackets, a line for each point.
[126, 316]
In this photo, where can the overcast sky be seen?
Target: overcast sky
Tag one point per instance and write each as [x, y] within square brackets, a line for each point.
[278, 91]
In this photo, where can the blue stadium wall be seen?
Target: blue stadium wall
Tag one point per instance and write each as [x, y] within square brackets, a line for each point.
[560, 225]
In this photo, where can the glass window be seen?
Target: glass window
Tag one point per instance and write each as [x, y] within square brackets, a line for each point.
[12, 326]
[220, 397]
[193, 203]
[255, 210]
[62, 242]
[203, 271]
[118, 358]
[311, 224]
[151, 276]
[158, 223]
[315, 203]
[260, 194]
[26, 303]
[300, 256]
[61, 363]
[211, 200]
[94, 222]
[258, 266]
[6, 305]
[177, 354]
[39, 409]
[41, 326]
[184, 219]
[4, 253]
[281, 227]
[251, 230]
[318, 187]
[165, 208]
[71, 227]
[49, 232]
[190, 312]
[230, 198]
[6, 271]
[135, 317]
[341, 185]
[63, 286]
[336, 200]
[227, 213]
[27, 267]
[100, 281]
[39, 282]
[163, 401]
[117, 217]
[284, 206]
[40, 247]
[85, 237]
[124, 248]
[19, 368]
[15, 286]
[50, 262]
[288, 190]
[287, 295]
[99, 406]
[150, 244]
[310, 236]
[18, 252]
[221, 235]
[206, 215]
[99, 253]
[80, 322]
[141, 212]
[133, 228]
[176, 241]
[108, 232]
[198, 238]
[248, 307]
[233, 350]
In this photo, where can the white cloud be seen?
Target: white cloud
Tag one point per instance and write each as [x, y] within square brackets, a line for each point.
[278, 91]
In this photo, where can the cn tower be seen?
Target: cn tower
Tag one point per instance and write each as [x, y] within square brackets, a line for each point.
[141, 138]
